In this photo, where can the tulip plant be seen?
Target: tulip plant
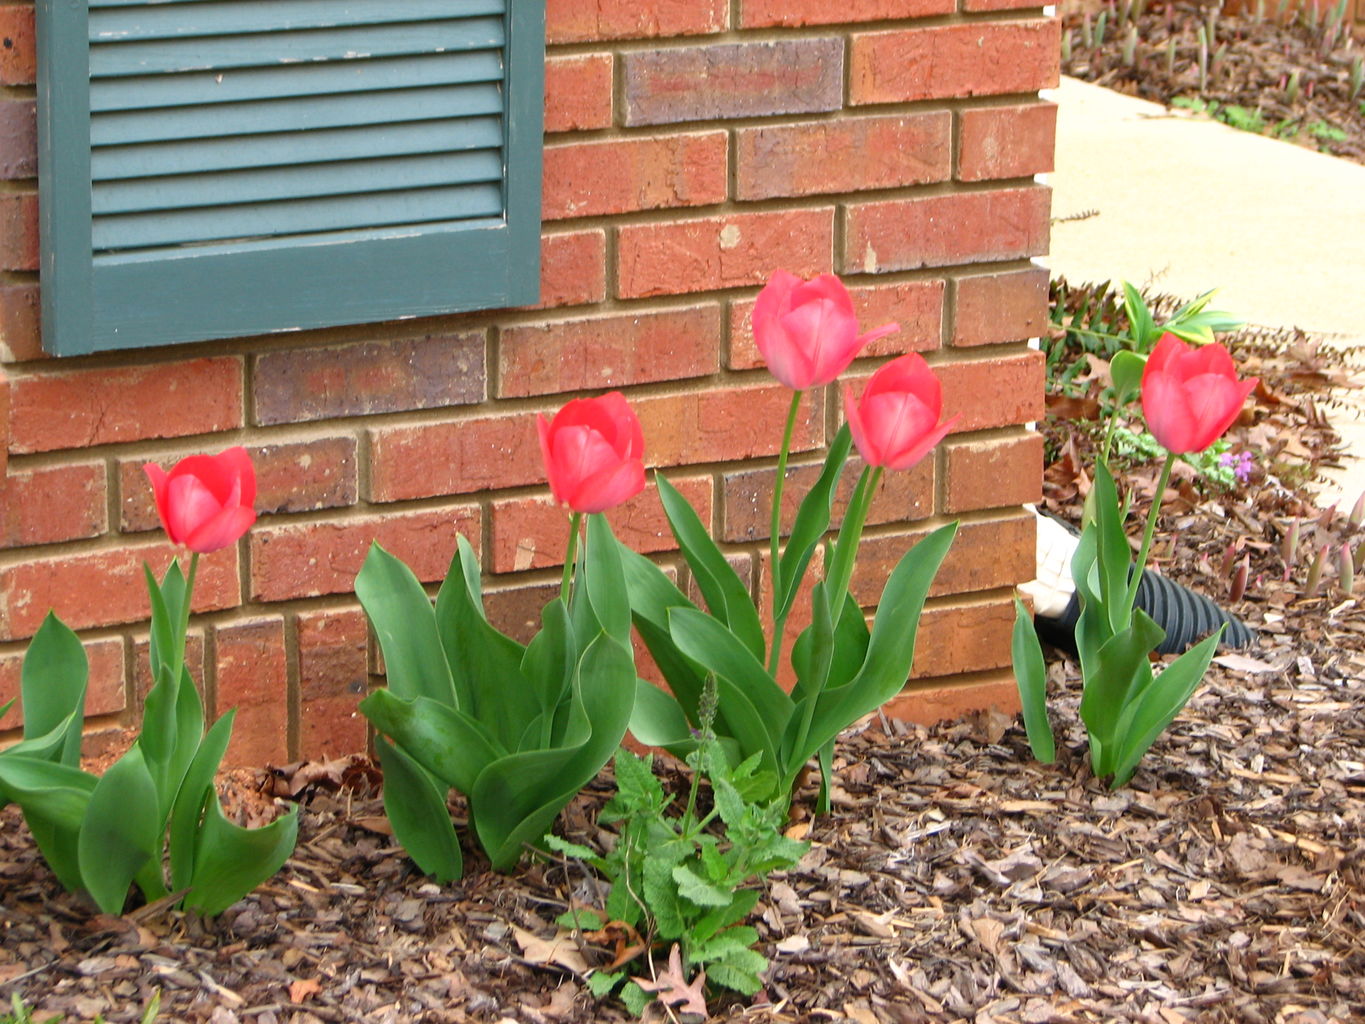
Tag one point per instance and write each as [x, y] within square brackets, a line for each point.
[807, 333]
[517, 729]
[1190, 396]
[158, 801]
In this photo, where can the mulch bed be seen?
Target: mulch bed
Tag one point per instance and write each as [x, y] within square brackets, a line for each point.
[1250, 65]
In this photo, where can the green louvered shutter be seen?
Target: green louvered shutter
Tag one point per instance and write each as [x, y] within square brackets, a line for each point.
[222, 168]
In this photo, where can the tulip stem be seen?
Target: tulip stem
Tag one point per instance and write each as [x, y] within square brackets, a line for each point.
[775, 535]
[1148, 533]
[569, 555]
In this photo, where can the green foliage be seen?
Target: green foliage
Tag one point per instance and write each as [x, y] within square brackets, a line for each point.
[156, 807]
[20, 1013]
[517, 729]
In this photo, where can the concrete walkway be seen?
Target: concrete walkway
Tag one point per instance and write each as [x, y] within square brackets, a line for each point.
[1183, 204]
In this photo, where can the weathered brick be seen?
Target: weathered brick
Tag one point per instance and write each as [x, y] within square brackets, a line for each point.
[979, 58]
[723, 80]
[4, 430]
[978, 6]
[916, 305]
[53, 503]
[573, 269]
[295, 476]
[794, 13]
[1017, 141]
[1000, 307]
[18, 229]
[609, 351]
[845, 155]
[954, 638]
[578, 93]
[594, 179]
[531, 533]
[142, 663]
[105, 692]
[725, 424]
[747, 508]
[993, 474]
[333, 677]
[18, 139]
[301, 384]
[18, 50]
[310, 559]
[729, 251]
[103, 588]
[936, 231]
[84, 408]
[998, 392]
[252, 675]
[946, 702]
[590, 21]
[20, 323]
[985, 555]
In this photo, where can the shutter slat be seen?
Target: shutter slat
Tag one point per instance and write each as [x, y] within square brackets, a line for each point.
[303, 181]
[115, 22]
[238, 51]
[201, 88]
[264, 220]
[195, 155]
[255, 118]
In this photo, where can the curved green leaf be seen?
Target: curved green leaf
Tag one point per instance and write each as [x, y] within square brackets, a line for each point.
[812, 523]
[53, 798]
[121, 831]
[658, 721]
[52, 682]
[416, 806]
[1030, 675]
[652, 595]
[604, 579]
[1121, 672]
[195, 790]
[448, 743]
[405, 623]
[230, 860]
[549, 661]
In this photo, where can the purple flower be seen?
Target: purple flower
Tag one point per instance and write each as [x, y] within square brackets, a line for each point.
[1240, 464]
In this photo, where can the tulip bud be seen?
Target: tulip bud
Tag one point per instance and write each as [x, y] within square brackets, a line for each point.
[1229, 559]
[1328, 514]
[1289, 547]
[1310, 588]
[1239, 582]
[1346, 568]
[1357, 515]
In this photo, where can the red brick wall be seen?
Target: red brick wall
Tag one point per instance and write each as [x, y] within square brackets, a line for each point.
[692, 147]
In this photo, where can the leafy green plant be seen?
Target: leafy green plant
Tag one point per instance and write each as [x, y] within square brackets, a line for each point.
[687, 877]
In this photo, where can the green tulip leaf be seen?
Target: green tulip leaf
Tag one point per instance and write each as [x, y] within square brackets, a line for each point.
[812, 523]
[1121, 670]
[604, 579]
[53, 798]
[415, 803]
[405, 623]
[1030, 675]
[658, 721]
[230, 860]
[549, 662]
[53, 682]
[848, 651]
[1143, 330]
[121, 831]
[448, 743]
[194, 792]
[1126, 369]
[652, 596]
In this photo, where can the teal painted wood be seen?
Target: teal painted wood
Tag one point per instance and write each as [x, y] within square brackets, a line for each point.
[370, 160]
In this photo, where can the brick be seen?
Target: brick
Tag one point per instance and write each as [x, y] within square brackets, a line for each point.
[295, 476]
[105, 693]
[531, 533]
[578, 93]
[612, 351]
[729, 251]
[956, 638]
[20, 323]
[582, 21]
[4, 430]
[333, 677]
[302, 384]
[794, 13]
[978, 6]
[18, 49]
[1000, 307]
[929, 705]
[992, 393]
[18, 229]
[594, 179]
[1017, 141]
[516, 610]
[310, 559]
[985, 555]
[52, 504]
[18, 139]
[936, 231]
[573, 269]
[142, 664]
[994, 473]
[916, 305]
[797, 620]
[103, 588]
[695, 426]
[724, 80]
[748, 498]
[85, 408]
[849, 154]
[251, 672]
[976, 58]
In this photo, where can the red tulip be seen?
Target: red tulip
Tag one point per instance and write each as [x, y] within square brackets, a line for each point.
[593, 451]
[205, 500]
[896, 422]
[807, 331]
[1190, 395]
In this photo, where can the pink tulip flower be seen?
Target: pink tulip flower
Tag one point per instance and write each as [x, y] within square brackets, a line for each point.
[593, 451]
[807, 331]
[205, 500]
[1190, 396]
[896, 422]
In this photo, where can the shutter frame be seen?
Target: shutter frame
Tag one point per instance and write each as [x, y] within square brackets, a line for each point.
[169, 295]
